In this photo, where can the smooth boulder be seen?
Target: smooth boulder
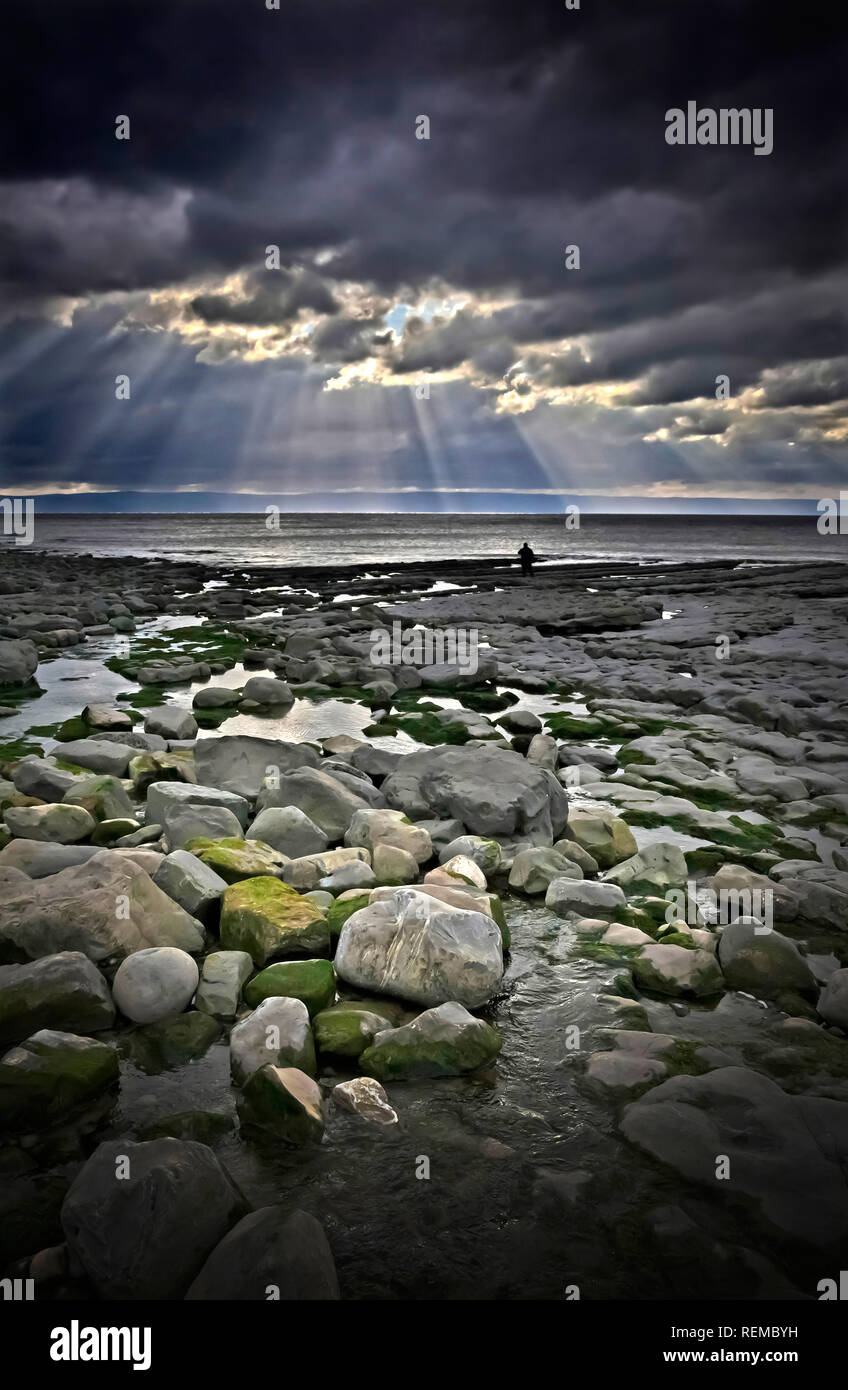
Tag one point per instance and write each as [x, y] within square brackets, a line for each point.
[677, 970]
[311, 981]
[163, 797]
[572, 897]
[493, 792]
[278, 1033]
[602, 834]
[653, 869]
[417, 948]
[534, 870]
[324, 799]
[288, 830]
[192, 884]
[762, 961]
[285, 1103]
[155, 983]
[369, 829]
[55, 824]
[222, 976]
[171, 722]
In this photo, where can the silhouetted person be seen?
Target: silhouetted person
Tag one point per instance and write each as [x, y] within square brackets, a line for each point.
[526, 557]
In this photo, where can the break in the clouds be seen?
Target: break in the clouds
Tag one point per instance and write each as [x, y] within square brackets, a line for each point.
[306, 297]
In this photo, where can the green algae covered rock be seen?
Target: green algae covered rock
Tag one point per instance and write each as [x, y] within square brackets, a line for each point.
[269, 919]
[51, 1074]
[447, 1041]
[347, 1029]
[52, 824]
[171, 1042]
[602, 834]
[499, 919]
[235, 859]
[311, 981]
[65, 991]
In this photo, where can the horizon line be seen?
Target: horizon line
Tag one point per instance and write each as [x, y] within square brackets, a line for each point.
[386, 511]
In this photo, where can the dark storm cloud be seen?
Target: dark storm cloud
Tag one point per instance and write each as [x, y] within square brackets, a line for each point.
[296, 128]
[810, 384]
[346, 340]
[302, 119]
[274, 298]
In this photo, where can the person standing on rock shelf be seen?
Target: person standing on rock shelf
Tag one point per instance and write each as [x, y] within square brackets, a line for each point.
[526, 557]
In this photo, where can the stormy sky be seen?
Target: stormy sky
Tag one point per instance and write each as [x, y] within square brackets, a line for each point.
[415, 329]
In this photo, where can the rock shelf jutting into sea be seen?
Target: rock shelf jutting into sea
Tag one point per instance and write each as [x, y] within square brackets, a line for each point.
[386, 979]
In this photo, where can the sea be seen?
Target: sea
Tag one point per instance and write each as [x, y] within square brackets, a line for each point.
[381, 538]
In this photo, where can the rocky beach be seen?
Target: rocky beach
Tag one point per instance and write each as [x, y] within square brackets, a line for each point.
[343, 974]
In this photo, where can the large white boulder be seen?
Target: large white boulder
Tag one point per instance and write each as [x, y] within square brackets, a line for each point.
[417, 948]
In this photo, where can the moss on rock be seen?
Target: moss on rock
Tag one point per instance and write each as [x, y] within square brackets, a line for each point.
[346, 1029]
[51, 1074]
[171, 1042]
[234, 859]
[311, 981]
[341, 909]
[268, 919]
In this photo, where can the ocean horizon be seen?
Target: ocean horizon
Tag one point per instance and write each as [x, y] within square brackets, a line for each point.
[362, 538]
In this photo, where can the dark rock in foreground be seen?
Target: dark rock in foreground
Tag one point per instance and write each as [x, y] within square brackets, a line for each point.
[142, 1218]
[271, 1254]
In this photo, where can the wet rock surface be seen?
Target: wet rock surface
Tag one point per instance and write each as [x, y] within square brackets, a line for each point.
[581, 913]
